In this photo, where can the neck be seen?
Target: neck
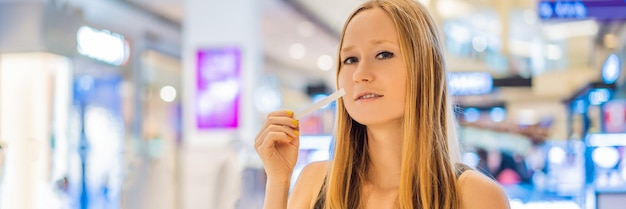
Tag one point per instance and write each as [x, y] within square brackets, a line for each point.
[385, 155]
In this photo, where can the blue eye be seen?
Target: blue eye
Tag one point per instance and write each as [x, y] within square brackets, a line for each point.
[384, 55]
[350, 60]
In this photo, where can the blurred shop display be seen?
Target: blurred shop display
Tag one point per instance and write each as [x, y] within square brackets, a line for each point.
[34, 127]
[583, 169]
[606, 168]
[72, 80]
[102, 45]
[162, 119]
[493, 118]
[321, 121]
[313, 148]
[36, 73]
[614, 116]
[154, 179]
[564, 170]
[550, 171]
[478, 38]
[596, 115]
[98, 114]
[99, 136]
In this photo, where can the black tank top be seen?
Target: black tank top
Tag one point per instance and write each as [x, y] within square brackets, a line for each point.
[321, 198]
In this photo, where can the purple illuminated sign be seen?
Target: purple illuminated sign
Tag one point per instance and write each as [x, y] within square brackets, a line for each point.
[582, 9]
[218, 88]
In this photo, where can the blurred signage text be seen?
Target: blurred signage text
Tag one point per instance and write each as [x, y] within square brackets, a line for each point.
[585, 9]
[102, 45]
[470, 83]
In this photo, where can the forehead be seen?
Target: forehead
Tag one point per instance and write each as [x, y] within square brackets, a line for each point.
[368, 25]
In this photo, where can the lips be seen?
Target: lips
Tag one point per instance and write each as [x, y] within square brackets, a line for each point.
[367, 95]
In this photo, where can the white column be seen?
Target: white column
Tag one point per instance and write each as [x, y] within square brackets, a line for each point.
[210, 176]
[26, 98]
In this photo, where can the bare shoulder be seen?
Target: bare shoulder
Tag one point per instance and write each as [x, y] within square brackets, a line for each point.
[308, 185]
[479, 191]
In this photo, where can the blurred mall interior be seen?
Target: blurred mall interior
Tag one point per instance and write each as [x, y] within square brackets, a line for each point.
[155, 103]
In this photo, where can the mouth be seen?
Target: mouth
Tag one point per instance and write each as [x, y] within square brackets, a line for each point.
[368, 96]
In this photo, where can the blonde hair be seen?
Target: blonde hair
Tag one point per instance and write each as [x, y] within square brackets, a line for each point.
[430, 147]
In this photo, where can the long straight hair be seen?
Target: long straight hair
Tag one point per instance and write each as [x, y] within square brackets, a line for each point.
[429, 144]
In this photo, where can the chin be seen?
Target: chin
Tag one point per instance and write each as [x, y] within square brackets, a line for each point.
[373, 119]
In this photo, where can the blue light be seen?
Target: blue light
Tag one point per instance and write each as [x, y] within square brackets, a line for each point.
[599, 96]
[563, 10]
[471, 115]
[471, 159]
[497, 114]
[545, 10]
[557, 155]
[102, 45]
[611, 69]
[579, 106]
[606, 140]
[473, 83]
[570, 10]
[605, 157]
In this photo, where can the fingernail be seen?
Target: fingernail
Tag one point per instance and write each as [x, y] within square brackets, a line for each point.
[295, 122]
[297, 133]
[290, 139]
[290, 113]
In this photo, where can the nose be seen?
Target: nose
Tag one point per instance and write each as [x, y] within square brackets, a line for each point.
[362, 74]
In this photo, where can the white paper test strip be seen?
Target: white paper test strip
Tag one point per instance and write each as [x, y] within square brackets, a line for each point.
[319, 104]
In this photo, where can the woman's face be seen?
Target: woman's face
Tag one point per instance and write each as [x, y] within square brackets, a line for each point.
[372, 70]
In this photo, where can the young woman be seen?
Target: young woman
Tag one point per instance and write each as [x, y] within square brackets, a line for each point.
[396, 144]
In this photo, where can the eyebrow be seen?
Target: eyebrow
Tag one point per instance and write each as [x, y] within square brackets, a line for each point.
[373, 43]
[380, 41]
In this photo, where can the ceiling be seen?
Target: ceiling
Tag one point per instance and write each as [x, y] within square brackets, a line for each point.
[172, 10]
[283, 25]
[330, 14]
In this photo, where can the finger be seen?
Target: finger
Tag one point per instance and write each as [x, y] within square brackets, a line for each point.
[288, 130]
[296, 140]
[276, 121]
[282, 117]
[284, 121]
[281, 113]
[280, 128]
[274, 138]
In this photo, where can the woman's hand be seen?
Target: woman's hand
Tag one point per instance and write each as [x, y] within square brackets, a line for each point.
[277, 144]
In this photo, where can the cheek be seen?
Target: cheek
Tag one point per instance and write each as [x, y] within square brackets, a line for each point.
[342, 79]
[402, 91]
[400, 86]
